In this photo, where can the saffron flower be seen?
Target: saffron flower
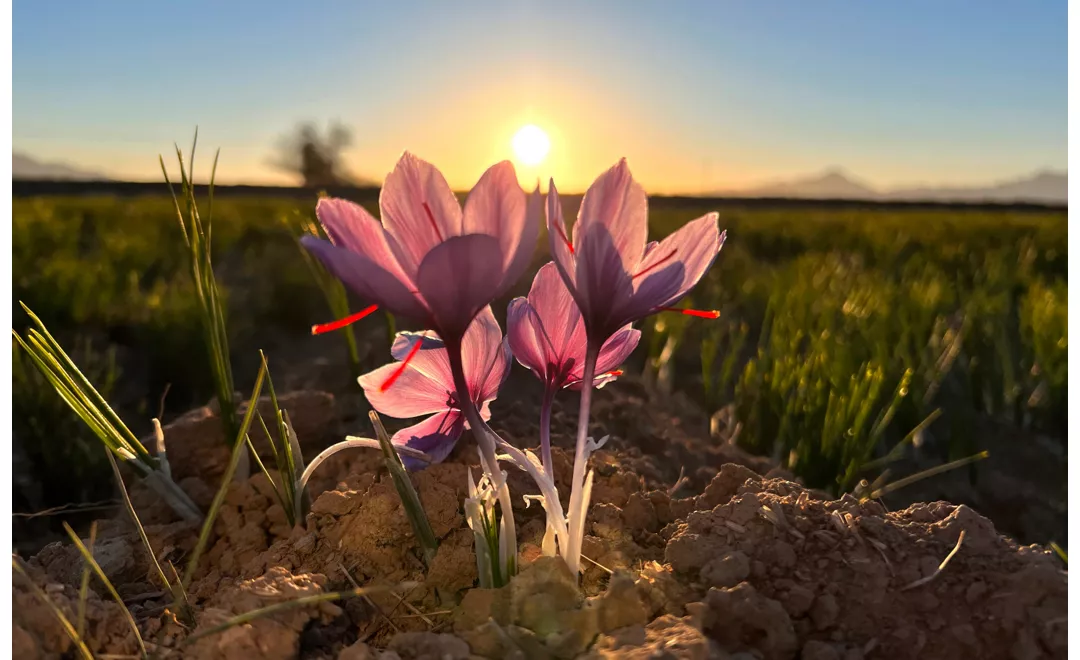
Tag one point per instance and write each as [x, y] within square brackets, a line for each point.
[547, 335]
[428, 260]
[422, 384]
[615, 276]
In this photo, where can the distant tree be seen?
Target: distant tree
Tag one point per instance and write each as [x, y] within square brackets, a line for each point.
[315, 158]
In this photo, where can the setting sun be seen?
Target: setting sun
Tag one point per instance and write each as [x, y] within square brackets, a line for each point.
[531, 145]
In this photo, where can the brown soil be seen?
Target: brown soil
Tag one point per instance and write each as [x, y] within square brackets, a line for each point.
[740, 562]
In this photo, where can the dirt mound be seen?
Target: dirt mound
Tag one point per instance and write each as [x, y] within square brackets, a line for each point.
[752, 566]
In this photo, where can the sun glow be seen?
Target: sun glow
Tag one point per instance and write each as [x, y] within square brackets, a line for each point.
[531, 145]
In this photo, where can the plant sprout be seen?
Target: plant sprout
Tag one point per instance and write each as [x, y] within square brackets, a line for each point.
[73, 387]
[197, 239]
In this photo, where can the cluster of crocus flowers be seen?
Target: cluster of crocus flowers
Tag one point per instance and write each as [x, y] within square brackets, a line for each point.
[441, 266]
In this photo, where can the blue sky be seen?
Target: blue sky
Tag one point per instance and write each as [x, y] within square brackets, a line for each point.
[698, 95]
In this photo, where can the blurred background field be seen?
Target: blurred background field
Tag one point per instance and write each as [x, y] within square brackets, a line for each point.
[853, 338]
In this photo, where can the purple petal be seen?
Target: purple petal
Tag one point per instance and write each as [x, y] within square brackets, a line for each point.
[410, 395]
[430, 359]
[618, 203]
[418, 209]
[561, 252]
[457, 279]
[435, 436]
[530, 232]
[497, 207]
[560, 318]
[675, 266]
[525, 334]
[614, 352]
[497, 373]
[616, 349]
[368, 279]
[482, 353]
[350, 226]
[604, 287]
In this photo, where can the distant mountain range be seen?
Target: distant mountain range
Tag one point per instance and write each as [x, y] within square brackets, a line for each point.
[1043, 187]
[25, 167]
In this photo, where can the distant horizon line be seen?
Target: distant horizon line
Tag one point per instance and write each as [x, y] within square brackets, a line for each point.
[35, 187]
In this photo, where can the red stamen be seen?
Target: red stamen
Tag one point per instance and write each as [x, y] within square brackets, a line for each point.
[431, 217]
[341, 323]
[700, 313]
[667, 258]
[562, 233]
[401, 368]
[614, 374]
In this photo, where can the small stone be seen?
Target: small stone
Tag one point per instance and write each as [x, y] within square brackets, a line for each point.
[784, 554]
[825, 611]
[815, 650]
[797, 600]
[975, 592]
[726, 571]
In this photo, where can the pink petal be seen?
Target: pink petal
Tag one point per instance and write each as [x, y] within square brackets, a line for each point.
[525, 334]
[616, 349]
[368, 279]
[619, 203]
[497, 207]
[530, 232]
[481, 353]
[412, 394]
[435, 436]
[418, 209]
[559, 315]
[603, 286]
[675, 266]
[457, 279]
[561, 253]
[497, 373]
[613, 353]
[430, 360]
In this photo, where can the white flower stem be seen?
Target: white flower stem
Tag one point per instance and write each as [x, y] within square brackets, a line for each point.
[579, 495]
[508, 532]
[545, 431]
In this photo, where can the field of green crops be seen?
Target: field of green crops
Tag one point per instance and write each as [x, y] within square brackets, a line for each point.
[844, 332]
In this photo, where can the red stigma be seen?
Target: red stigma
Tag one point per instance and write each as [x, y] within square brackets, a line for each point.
[700, 313]
[562, 233]
[341, 323]
[431, 218]
[401, 368]
[667, 258]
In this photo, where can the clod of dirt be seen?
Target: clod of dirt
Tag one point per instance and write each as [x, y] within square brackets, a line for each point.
[542, 613]
[197, 446]
[741, 619]
[666, 638]
[268, 638]
[106, 628]
[425, 645]
[840, 571]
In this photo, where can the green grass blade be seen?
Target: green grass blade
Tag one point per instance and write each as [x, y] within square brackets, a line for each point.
[410, 500]
[65, 623]
[89, 558]
[270, 610]
[138, 524]
[925, 474]
[239, 445]
[84, 582]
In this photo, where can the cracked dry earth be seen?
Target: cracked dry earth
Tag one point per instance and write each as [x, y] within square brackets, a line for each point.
[752, 566]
